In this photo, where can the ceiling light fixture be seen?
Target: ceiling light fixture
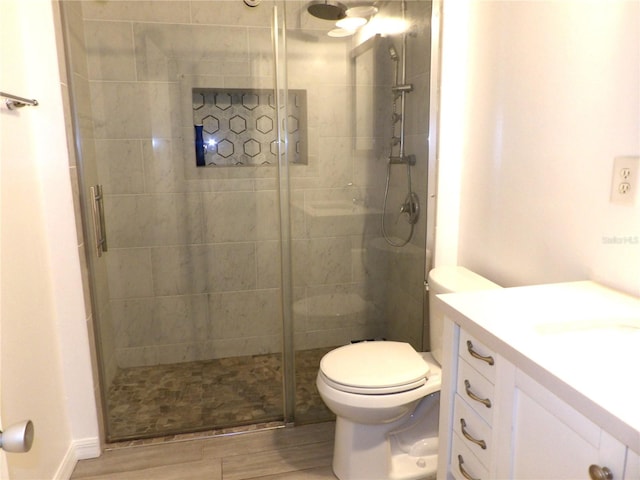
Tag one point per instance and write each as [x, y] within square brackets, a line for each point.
[340, 32]
[351, 23]
[363, 11]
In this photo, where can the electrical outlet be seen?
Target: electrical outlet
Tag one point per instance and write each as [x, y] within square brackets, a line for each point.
[624, 181]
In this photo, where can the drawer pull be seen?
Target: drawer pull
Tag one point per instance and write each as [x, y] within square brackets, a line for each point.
[463, 428]
[485, 401]
[464, 473]
[474, 354]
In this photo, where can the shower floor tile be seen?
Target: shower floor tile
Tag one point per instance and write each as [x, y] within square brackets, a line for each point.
[193, 396]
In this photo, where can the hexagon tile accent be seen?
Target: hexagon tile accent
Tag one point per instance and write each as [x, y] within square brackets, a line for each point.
[239, 125]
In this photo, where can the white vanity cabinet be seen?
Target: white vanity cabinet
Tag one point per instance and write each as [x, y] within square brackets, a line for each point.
[497, 422]
[550, 439]
[632, 468]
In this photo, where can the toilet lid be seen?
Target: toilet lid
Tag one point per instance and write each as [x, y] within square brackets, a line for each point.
[374, 367]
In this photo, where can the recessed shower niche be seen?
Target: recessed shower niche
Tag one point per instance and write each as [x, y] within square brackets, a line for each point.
[238, 127]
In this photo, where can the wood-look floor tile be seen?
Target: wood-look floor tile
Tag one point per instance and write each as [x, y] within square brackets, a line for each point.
[302, 453]
[201, 470]
[277, 462]
[321, 473]
[255, 442]
[137, 458]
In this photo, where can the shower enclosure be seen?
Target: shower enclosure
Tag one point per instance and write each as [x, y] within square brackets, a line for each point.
[234, 168]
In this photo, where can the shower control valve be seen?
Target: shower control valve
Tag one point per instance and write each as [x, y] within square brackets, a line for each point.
[411, 207]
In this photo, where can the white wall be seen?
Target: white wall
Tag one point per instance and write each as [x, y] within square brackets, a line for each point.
[46, 373]
[545, 94]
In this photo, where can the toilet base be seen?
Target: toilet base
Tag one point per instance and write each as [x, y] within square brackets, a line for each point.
[383, 452]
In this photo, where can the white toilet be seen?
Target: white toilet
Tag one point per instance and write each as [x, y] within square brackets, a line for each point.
[386, 397]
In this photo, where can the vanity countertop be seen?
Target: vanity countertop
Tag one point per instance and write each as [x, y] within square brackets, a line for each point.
[581, 340]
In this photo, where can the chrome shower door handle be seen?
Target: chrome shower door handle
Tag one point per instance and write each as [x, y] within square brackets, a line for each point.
[99, 230]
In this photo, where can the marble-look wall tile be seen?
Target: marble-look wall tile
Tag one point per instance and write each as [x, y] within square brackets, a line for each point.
[161, 320]
[134, 325]
[215, 12]
[163, 52]
[320, 261]
[180, 269]
[181, 352]
[309, 60]
[135, 110]
[107, 338]
[84, 109]
[330, 110]
[110, 51]
[120, 166]
[129, 272]
[417, 113]
[162, 166]
[181, 319]
[419, 44]
[245, 314]
[143, 10]
[232, 267]
[153, 220]
[240, 216]
[137, 356]
[229, 216]
[249, 345]
[406, 315]
[268, 264]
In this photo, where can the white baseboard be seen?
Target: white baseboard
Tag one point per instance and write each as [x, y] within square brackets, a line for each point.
[78, 450]
[87, 448]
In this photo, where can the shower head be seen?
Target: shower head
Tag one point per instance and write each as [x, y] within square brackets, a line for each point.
[393, 53]
[327, 9]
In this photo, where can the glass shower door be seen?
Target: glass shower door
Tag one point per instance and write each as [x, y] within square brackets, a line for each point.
[177, 120]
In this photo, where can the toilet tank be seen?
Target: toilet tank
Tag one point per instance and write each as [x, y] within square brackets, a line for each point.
[449, 280]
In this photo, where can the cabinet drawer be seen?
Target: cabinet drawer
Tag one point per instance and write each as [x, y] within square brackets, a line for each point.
[464, 462]
[474, 432]
[476, 390]
[478, 355]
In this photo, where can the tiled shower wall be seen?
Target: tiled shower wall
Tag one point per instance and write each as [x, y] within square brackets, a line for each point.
[404, 283]
[193, 259]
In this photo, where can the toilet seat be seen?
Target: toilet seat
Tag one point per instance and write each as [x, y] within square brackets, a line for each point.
[374, 368]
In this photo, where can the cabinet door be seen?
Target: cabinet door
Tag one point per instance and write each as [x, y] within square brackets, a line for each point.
[551, 440]
[632, 470]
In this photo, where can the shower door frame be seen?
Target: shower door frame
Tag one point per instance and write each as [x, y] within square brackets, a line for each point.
[278, 32]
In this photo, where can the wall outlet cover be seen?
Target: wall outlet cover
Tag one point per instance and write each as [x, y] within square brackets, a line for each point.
[624, 180]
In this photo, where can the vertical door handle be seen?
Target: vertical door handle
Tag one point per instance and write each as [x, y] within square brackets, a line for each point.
[99, 230]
